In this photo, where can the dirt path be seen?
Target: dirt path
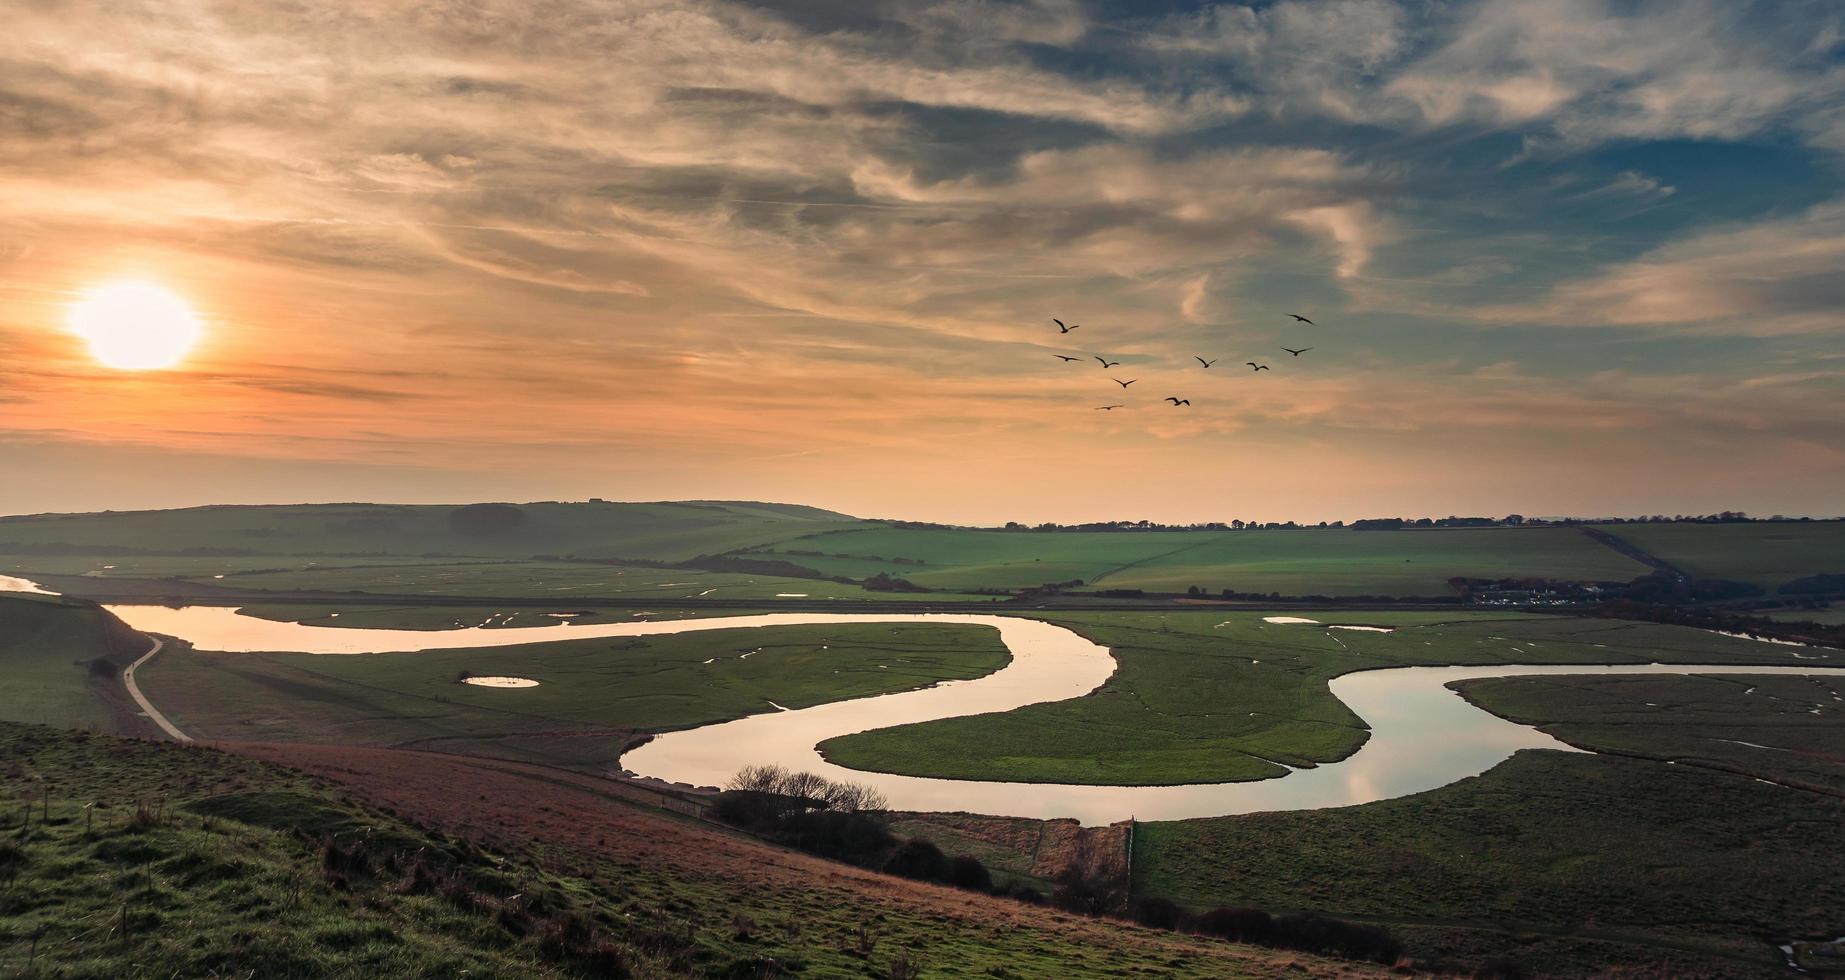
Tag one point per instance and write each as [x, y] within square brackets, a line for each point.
[134, 691]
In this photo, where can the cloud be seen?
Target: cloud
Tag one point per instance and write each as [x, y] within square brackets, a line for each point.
[1766, 278]
[695, 232]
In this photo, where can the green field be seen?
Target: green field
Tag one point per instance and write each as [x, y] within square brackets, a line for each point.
[561, 580]
[603, 687]
[1767, 554]
[1834, 616]
[659, 531]
[1578, 863]
[1217, 697]
[59, 660]
[1782, 729]
[1309, 561]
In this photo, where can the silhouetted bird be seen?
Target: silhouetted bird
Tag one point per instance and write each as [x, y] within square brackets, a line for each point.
[1063, 329]
[1303, 319]
[1176, 402]
[1110, 408]
[1297, 353]
[1259, 367]
[1106, 363]
[1205, 362]
[1122, 383]
[1064, 359]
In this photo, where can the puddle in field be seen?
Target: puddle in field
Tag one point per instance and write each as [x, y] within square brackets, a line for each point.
[500, 681]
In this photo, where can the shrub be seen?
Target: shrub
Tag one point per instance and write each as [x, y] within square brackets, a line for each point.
[1159, 913]
[1238, 925]
[1094, 882]
[967, 872]
[919, 859]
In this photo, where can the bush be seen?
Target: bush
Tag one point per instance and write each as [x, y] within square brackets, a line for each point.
[1094, 882]
[1159, 913]
[851, 837]
[967, 872]
[919, 859]
[1238, 925]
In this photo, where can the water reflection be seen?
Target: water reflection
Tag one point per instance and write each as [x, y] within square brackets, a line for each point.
[1423, 735]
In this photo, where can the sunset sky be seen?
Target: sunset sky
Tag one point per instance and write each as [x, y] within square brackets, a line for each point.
[1566, 257]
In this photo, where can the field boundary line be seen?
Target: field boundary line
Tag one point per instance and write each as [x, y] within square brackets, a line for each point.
[1136, 563]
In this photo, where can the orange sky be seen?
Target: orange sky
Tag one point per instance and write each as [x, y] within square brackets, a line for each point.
[646, 251]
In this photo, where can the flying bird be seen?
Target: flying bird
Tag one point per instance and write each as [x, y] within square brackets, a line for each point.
[1176, 402]
[1064, 359]
[1106, 364]
[1258, 367]
[1297, 353]
[1303, 319]
[1122, 383]
[1063, 329]
[1205, 362]
[1109, 408]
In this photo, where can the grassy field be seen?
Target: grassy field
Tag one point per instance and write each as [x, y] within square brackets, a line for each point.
[1314, 561]
[601, 688]
[561, 580]
[502, 578]
[57, 656]
[145, 859]
[1765, 554]
[1782, 729]
[1835, 616]
[662, 531]
[1399, 563]
[1574, 863]
[1217, 697]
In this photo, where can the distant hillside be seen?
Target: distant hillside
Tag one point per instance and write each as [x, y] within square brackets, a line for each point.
[666, 531]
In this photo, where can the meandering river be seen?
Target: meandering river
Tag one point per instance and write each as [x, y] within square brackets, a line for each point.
[1423, 735]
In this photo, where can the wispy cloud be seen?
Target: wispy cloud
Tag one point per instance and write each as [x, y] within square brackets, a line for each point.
[692, 233]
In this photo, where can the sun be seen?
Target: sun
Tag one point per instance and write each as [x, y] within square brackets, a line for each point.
[136, 326]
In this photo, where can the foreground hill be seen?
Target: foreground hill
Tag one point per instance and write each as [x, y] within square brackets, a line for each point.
[149, 859]
[671, 531]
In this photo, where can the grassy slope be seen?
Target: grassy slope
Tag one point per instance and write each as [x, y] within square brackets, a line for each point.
[631, 684]
[1784, 729]
[46, 647]
[664, 531]
[230, 873]
[1403, 563]
[1766, 554]
[1332, 562]
[561, 580]
[1213, 697]
[1631, 856]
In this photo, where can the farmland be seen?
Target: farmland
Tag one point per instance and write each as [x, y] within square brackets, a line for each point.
[1215, 697]
[661, 531]
[1574, 861]
[1308, 561]
[1765, 554]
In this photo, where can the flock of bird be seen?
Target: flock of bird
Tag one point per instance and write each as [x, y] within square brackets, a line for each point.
[1177, 402]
